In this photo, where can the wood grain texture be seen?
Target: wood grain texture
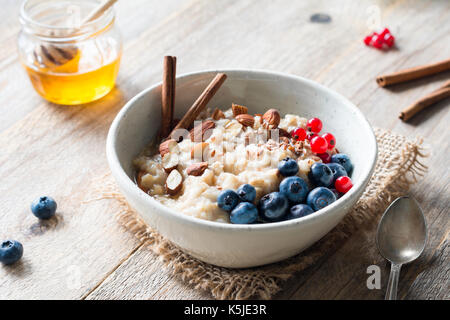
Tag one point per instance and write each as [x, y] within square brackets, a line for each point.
[47, 149]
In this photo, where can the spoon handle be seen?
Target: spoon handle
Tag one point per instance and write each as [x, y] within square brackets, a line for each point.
[391, 293]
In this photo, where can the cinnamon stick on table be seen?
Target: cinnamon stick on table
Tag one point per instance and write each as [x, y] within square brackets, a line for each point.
[434, 97]
[413, 73]
[201, 102]
[168, 94]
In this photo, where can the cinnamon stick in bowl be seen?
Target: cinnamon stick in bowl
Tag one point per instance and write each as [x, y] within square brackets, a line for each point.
[201, 102]
[430, 99]
[168, 95]
[413, 73]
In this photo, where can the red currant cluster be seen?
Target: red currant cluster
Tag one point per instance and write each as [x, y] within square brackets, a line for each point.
[383, 40]
[319, 144]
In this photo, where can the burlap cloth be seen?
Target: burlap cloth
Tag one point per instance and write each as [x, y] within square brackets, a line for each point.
[397, 168]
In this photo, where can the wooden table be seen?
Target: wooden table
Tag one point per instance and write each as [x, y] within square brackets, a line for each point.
[59, 151]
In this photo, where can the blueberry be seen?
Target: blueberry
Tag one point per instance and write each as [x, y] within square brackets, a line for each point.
[344, 161]
[10, 251]
[321, 175]
[336, 193]
[244, 213]
[44, 207]
[295, 189]
[273, 206]
[337, 169]
[320, 198]
[298, 211]
[288, 167]
[247, 192]
[228, 200]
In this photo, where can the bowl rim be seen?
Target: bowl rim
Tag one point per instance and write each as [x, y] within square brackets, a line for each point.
[120, 174]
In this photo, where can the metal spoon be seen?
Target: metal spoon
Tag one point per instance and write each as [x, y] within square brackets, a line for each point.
[401, 237]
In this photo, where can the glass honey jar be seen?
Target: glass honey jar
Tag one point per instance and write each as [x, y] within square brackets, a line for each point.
[69, 63]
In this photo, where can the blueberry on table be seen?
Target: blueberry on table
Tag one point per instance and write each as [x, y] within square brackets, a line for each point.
[247, 192]
[344, 161]
[273, 206]
[295, 189]
[228, 200]
[10, 252]
[44, 207]
[288, 167]
[299, 211]
[320, 197]
[321, 175]
[337, 169]
[244, 213]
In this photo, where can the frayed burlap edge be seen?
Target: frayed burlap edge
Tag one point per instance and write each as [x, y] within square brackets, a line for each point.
[398, 166]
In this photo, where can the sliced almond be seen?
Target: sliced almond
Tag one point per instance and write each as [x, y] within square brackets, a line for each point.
[139, 181]
[237, 109]
[167, 146]
[174, 182]
[272, 118]
[203, 131]
[246, 120]
[170, 161]
[198, 151]
[197, 169]
[218, 114]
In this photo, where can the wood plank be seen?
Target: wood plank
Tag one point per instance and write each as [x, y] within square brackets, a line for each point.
[34, 140]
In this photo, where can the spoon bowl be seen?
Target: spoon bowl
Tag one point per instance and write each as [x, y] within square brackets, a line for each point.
[401, 236]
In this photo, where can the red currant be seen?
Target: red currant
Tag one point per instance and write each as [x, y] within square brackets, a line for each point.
[343, 184]
[378, 42]
[367, 40]
[299, 134]
[319, 145]
[330, 139]
[314, 125]
[326, 157]
[389, 40]
[385, 32]
[311, 135]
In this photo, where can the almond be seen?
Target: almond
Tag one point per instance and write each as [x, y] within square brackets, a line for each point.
[167, 146]
[272, 118]
[218, 114]
[198, 133]
[198, 151]
[246, 120]
[139, 181]
[237, 109]
[170, 161]
[174, 182]
[197, 169]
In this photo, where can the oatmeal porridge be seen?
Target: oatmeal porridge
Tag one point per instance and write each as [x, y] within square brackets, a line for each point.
[227, 150]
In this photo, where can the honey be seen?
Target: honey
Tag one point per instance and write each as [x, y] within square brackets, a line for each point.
[63, 86]
[68, 61]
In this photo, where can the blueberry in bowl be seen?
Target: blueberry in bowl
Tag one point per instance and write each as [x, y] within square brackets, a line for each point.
[244, 213]
[288, 167]
[247, 192]
[228, 200]
[321, 175]
[273, 206]
[337, 170]
[320, 197]
[299, 211]
[343, 160]
[295, 189]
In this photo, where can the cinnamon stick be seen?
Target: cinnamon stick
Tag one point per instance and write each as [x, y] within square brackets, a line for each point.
[201, 102]
[432, 98]
[168, 94]
[413, 73]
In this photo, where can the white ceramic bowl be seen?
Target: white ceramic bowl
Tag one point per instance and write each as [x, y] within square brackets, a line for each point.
[229, 245]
